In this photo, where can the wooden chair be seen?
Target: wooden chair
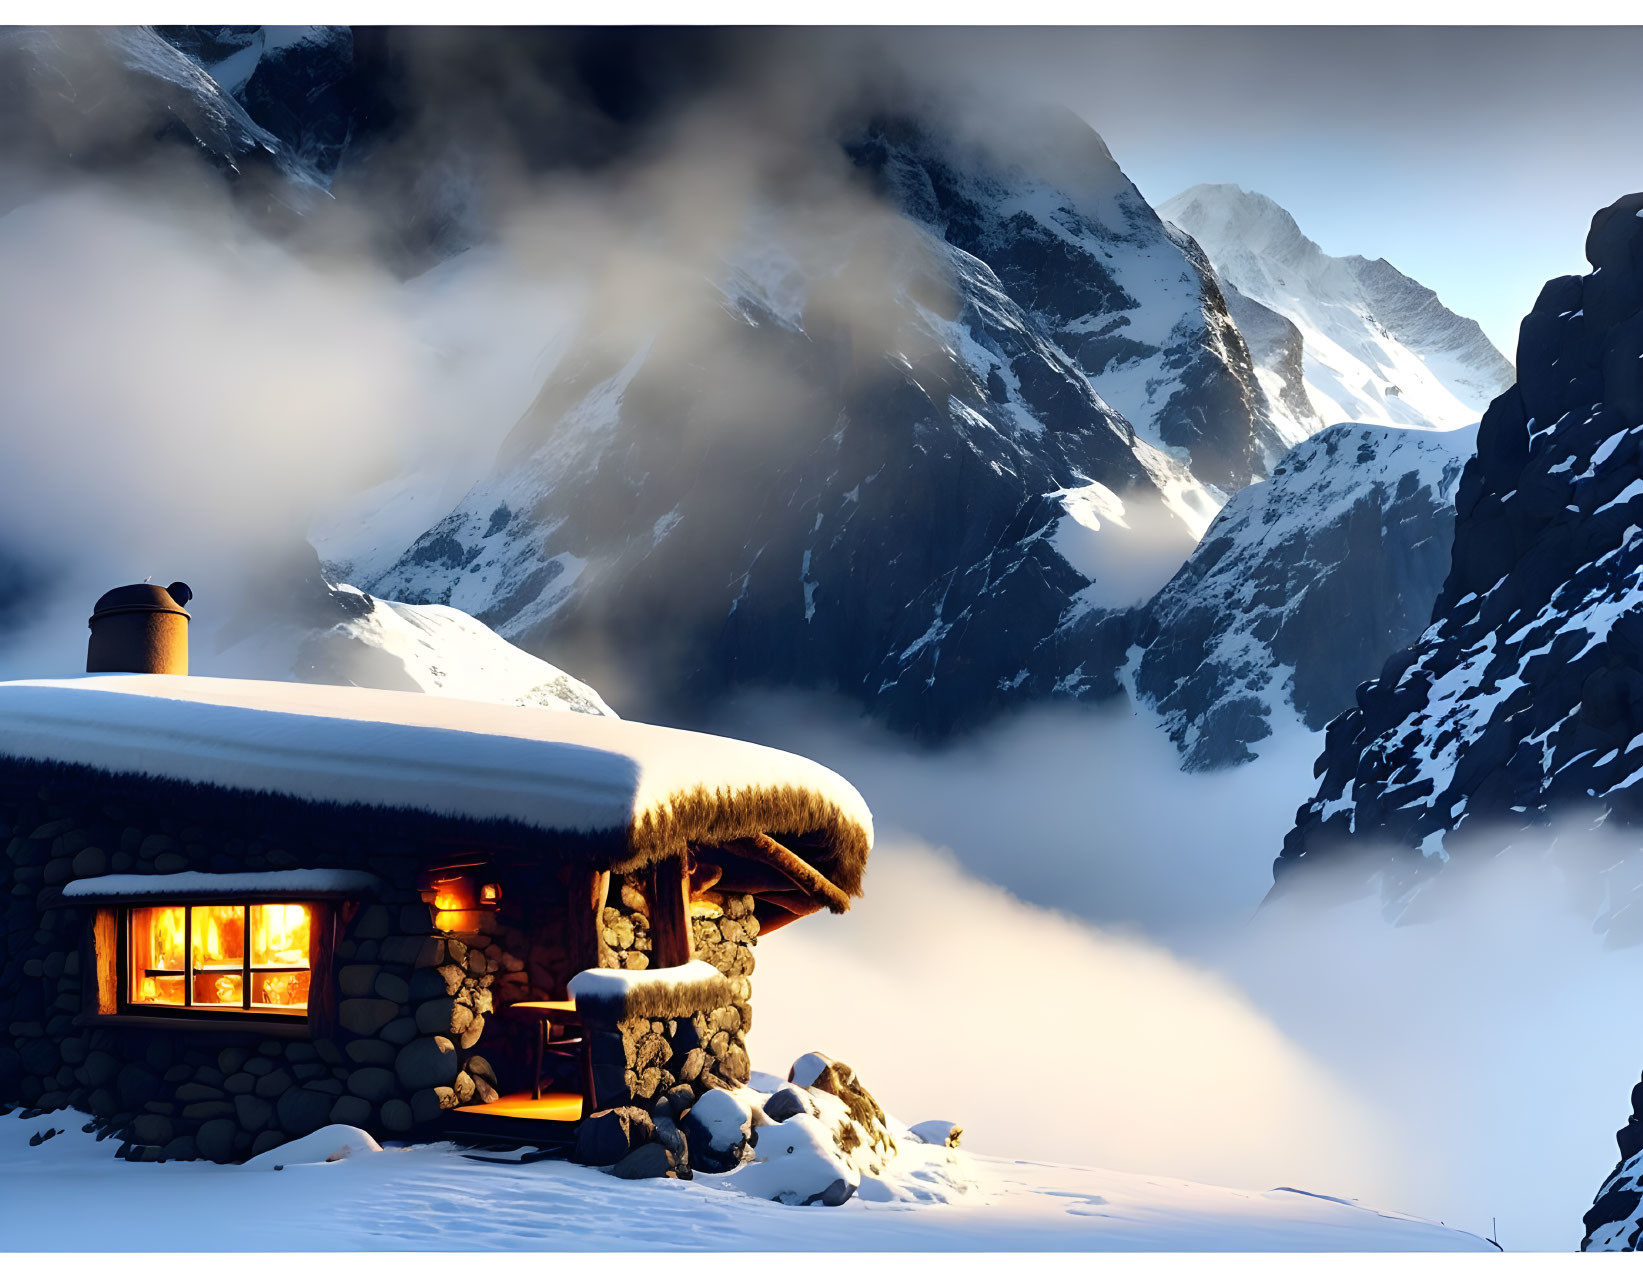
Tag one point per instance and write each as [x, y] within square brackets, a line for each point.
[547, 1014]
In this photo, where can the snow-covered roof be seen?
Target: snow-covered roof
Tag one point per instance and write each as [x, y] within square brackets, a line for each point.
[185, 884]
[636, 790]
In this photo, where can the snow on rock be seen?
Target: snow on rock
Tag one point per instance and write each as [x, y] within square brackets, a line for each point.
[330, 1144]
[719, 1130]
[1377, 346]
[797, 1162]
[199, 883]
[937, 1131]
[1615, 1220]
[483, 761]
[807, 1069]
[1302, 588]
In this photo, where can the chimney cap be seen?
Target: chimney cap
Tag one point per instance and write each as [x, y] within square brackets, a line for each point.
[143, 597]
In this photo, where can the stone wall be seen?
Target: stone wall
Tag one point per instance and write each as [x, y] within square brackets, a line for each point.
[625, 921]
[411, 1001]
[638, 1058]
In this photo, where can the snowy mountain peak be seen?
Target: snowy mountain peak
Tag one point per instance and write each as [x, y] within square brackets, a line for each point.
[1378, 346]
[1222, 214]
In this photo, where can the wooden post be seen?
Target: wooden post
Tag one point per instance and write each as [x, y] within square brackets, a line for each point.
[322, 973]
[105, 945]
[584, 924]
[668, 892]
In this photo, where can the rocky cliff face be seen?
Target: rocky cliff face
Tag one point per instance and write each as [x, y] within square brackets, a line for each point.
[1027, 440]
[1522, 702]
[1301, 588]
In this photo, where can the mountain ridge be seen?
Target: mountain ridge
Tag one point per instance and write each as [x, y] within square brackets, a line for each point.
[1381, 347]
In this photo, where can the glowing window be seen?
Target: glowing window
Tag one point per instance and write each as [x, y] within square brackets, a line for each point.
[245, 958]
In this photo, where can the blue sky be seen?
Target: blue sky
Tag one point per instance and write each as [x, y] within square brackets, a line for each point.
[1470, 158]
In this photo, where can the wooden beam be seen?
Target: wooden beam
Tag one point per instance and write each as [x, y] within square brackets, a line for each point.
[798, 870]
[703, 876]
[773, 916]
[667, 890]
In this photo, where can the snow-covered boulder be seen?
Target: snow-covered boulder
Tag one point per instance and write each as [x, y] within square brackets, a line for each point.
[798, 1162]
[329, 1144]
[718, 1129]
[788, 1100]
[938, 1131]
[860, 1128]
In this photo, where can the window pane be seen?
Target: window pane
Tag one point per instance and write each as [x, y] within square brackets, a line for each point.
[279, 936]
[166, 991]
[287, 991]
[156, 944]
[218, 989]
[157, 938]
[219, 939]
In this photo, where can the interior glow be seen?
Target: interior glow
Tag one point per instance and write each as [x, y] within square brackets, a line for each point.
[226, 946]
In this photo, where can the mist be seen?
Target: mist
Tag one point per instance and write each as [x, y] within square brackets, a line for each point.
[181, 398]
[1062, 948]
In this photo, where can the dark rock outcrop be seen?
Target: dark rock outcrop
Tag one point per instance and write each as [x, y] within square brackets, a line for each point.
[1522, 702]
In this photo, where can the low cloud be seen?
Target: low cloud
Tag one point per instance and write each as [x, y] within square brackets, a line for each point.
[1047, 1038]
[1062, 947]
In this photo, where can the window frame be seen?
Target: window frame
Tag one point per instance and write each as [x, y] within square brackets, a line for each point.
[319, 917]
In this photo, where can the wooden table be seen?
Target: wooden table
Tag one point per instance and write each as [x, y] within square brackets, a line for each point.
[547, 1013]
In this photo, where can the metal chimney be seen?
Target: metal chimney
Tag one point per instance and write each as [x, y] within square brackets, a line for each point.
[140, 629]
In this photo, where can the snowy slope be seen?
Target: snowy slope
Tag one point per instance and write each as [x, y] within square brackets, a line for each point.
[1302, 587]
[411, 647]
[1379, 347]
[291, 623]
[429, 1197]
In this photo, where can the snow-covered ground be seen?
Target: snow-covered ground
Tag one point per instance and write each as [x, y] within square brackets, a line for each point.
[71, 1193]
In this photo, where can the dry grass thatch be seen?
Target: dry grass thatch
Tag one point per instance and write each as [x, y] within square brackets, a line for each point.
[659, 1000]
[808, 823]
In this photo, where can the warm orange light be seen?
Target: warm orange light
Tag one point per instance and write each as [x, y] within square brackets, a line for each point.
[218, 963]
[490, 894]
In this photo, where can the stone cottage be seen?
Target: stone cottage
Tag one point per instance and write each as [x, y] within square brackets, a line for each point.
[237, 911]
